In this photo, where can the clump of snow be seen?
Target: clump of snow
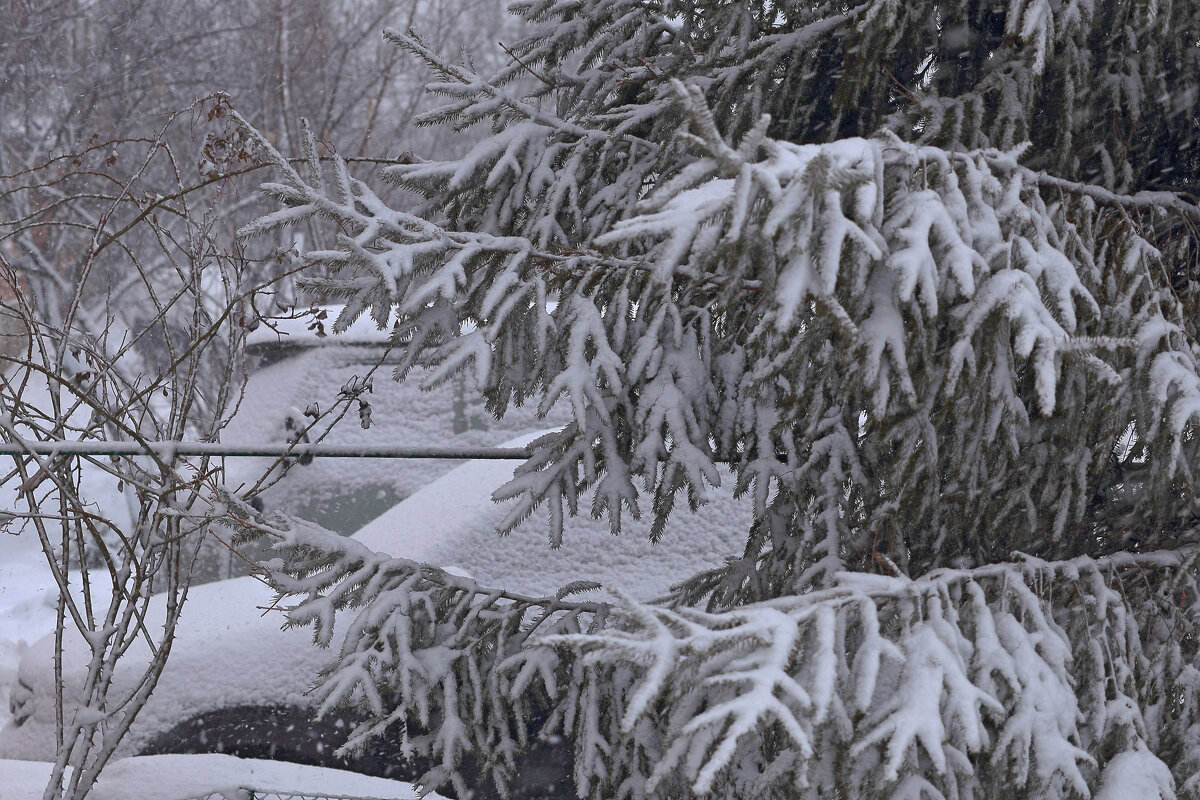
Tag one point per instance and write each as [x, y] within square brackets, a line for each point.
[1136, 774]
[170, 777]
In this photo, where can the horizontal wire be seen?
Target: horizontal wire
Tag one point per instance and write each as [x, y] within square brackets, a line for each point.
[167, 450]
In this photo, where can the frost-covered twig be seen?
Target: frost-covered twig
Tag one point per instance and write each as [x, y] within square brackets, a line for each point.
[164, 363]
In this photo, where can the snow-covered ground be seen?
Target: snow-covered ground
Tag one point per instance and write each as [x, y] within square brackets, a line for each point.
[175, 777]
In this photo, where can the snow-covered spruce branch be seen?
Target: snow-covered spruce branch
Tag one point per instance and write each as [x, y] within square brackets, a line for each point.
[426, 649]
[468, 85]
[950, 278]
[913, 355]
[851, 689]
[889, 687]
[1146, 201]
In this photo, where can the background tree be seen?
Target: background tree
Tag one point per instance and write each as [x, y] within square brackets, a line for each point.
[85, 91]
[922, 276]
[77, 73]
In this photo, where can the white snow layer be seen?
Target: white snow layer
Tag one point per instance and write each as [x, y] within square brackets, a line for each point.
[452, 523]
[1136, 774]
[304, 330]
[173, 777]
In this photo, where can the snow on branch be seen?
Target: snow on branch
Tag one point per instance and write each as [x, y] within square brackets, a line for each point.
[889, 279]
[955, 670]
[420, 646]
[848, 690]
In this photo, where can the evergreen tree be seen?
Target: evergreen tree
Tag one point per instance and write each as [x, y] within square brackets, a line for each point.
[923, 276]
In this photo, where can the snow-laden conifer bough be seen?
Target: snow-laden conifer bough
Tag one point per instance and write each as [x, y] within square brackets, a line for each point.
[923, 276]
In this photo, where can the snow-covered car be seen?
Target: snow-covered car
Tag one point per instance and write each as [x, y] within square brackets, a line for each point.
[295, 363]
[236, 682]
